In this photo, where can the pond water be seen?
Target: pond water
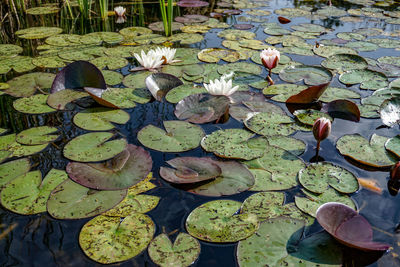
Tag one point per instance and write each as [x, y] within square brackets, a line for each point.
[41, 239]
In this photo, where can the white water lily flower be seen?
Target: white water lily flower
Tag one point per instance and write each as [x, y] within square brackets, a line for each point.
[151, 60]
[167, 53]
[120, 11]
[221, 87]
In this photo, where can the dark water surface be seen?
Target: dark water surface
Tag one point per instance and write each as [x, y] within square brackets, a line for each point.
[40, 240]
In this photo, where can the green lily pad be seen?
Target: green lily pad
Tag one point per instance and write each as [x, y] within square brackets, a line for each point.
[318, 177]
[288, 143]
[36, 104]
[283, 166]
[13, 169]
[17, 63]
[112, 63]
[37, 135]
[309, 28]
[178, 93]
[233, 34]
[51, 62]
[280, 242]
[93, 147]
[302, 51]
[393, 145]
[38, 32]
[28, 194]
[308, 116]
[109, 240]
[70, 200]
[268, 124]
[107, 37]
[183, 252]
[369, 80]
[217, 221]
[310, 74]
[362, 46]
[60, 99]
[385, 42]
[334, 93]
[27, 84]
[275, 29]
[178, 136]
[249, 108]
[8, 143]
[123, 171]
[75, 55]
[43, 10]
[213, 55]
[126, 97]
[293, 12]
[136, 80]
[312, 201]
[10, 50]
[100, 119]
[186, 38]
[64, 40]
[330, 50]
[269, 205]
[131, 32]
[240, 68]
[112, 77]
[372, 153]
[345, 62]
[234, 143]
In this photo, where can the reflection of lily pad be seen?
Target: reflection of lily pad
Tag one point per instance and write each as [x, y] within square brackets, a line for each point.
[100, 119]
[109, 239]
[28, 194]
[217, 221]
[93, 147]
[371, 153]
[70, 200]
[183, 252]
[178, 136]
[123, 171]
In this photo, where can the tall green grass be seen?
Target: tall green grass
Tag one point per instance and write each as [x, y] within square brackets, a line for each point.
[167, 14]
[84, 7]
[103, 9]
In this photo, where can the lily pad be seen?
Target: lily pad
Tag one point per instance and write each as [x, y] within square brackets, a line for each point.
[37, 135]
[133, 203]
[317, 177]
[275, 29]
[234, 143]
[27, 84]
[372, 153]
[369, 80]
[51, 62]
[308, 116]
[331, 50]
[61, 99]
[126, 97]
[38, 32]
[13, 169]
[123, 171]
[345, 62]
[312, 201]
[93, 147]
[109, 240]
[112, 77]
[100, 119]
[178, 136]
[178, 93]
[310, 74]
[43, 10]
[136, 80]
[159, 84]
[70, 200]
[8, 143]
[362, 46]
[28, 194]
[393, 145]
[183, 252]
[268, 124]
[213, 55]
[36, 104]
[233, 34]
[112, 63]
[217, 221]
[288, 143]
[10, 50]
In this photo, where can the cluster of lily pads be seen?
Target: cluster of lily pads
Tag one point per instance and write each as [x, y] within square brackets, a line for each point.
[106, 177]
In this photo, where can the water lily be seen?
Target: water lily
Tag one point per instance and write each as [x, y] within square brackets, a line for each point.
[221, 86]
[167, 53]
[321, 130]
[120, 11]
[270, 58]
[120, 19]
[150, 61]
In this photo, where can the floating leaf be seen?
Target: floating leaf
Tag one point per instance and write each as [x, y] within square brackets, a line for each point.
[93, 147]
[331, 50]
[190, 170]
[10, 50]
[178, 93]
[310, 74]
[345, 62]
[70, 200]
[309, 95]
[217, 221]
[242, 113]
[317, 177]
[28, 194]
[234, 143]
[178, 136]
[112, 63]
[213, 55]
[343, 109]
[370, 80]
[159, 84]
[8, 143]
[38, 32]
[100, 119]
[61, 99]
[348, 227]
[109, 240]
[372, 153]
[232, 34]
[37, 135]
[43, 10]
[111, 77]
[183, 252]
[13, 169]
[288, 143]
[123, 171]
[36, 104]
[268, 124]
[126, 97]
[308, 116]
[27, 84]
[275, 29]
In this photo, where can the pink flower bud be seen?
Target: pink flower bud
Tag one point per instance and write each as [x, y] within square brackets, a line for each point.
[321, 128]
[270, 58]
[395, 172]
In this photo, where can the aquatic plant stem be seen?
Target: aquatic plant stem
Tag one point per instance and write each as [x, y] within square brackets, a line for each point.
[318, 146]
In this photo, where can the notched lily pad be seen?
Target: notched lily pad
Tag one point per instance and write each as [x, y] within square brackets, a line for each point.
[36, 104]
[213, 55]
[311, 75]
[13, 169]
[100, 119]
[37, 135]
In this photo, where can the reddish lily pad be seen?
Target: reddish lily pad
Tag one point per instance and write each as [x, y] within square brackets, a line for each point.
[309, 95]
[190, 170]
[348, 227]
[343, 109]
[123, 171]
[191, 3]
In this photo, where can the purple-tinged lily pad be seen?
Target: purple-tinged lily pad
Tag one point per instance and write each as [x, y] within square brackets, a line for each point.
[190, 170]
[78, 74]
[201, 108]
[192, 3]
[188, 19]
[348, 227]
[343, 109]
[126, 169]
[159, 84]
